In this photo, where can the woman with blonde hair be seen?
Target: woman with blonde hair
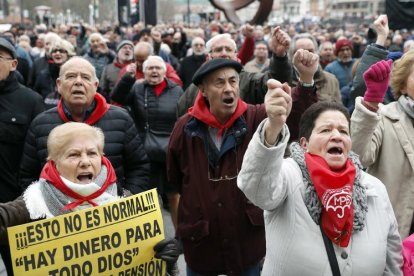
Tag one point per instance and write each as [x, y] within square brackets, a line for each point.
[60, 52]
[76, 176]
[382, 135]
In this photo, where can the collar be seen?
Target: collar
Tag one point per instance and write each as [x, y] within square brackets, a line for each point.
[94, 113]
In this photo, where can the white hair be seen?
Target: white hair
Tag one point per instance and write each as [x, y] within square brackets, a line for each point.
[145, 64]
[218, 37]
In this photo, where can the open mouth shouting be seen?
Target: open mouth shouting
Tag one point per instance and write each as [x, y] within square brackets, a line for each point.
[228, 101]
[85, 178]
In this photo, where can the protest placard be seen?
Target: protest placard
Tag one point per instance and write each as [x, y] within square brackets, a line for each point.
[112, 239]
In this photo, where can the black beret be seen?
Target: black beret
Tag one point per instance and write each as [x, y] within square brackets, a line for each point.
[213, 65]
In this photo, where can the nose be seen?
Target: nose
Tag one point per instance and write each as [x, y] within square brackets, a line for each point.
[228, 86]
[335, 134]
[84, 160]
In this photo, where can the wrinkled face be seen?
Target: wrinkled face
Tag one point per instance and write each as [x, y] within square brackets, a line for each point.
[77, 84]
[59, 56]
[154, 72]
[260, 51]
[7, 64]
[345, 54]
[327, 51]
[95, 43]
[198, 46]
[330, 139]
[409, 86]
[221, 88]
[223, 49]
[80, 162]
[125, 53]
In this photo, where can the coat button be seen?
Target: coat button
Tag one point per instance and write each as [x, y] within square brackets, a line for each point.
[344, 255]
[13, 119]
[219, 204]
[192, 238]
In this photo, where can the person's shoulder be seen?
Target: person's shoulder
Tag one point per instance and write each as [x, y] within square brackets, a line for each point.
[374, 186]
[29, 94]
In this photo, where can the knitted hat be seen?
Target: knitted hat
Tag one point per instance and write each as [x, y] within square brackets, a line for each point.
[123, 43]
[342, 43]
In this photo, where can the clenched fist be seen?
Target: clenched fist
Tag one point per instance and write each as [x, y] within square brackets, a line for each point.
[280, 42]
[278, 104]
[306, 63]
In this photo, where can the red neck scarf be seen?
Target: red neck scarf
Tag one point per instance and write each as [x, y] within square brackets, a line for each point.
[159, 88]
[101, 108]
[201, 112]
[121, 65]
[50, 174]
[334, 189]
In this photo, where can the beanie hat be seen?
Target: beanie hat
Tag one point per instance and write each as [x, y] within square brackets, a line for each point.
[123, 43]
[342, 43]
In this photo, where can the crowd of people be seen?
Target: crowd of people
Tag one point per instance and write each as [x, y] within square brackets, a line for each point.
[282, 150]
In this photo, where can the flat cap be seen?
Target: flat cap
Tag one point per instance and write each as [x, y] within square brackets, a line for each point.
[213, 65]
[6, 45]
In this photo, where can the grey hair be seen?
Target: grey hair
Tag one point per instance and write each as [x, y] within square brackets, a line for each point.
[216, 38]
[293, 49]
[95, 34]
[145, 64]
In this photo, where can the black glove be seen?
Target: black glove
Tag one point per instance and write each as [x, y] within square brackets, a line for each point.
[168, 250]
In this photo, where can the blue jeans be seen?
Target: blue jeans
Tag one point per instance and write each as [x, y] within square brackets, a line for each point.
[252, 271]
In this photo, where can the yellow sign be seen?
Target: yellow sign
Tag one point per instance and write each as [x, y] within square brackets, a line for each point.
[112, 239]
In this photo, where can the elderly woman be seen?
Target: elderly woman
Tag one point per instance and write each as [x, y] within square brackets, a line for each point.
[45, 84]
[76, 176]
[382, 135]
[323, 213]
[153, 106]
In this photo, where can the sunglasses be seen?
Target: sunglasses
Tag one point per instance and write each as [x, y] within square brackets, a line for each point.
[60, 51]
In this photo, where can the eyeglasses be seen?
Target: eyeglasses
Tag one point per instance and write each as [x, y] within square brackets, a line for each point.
[6, 58]
[225, 48]
[225, 177]
[344, 49]
[60, 51]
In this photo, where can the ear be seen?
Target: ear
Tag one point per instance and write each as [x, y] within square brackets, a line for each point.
[303, 143]
[201, 88]
[13, 66]
[58, 84]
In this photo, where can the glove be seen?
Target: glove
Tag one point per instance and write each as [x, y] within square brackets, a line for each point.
[377, 78]
[168, 250]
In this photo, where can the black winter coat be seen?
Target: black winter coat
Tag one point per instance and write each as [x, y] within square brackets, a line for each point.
[123, 148]
[19, 105]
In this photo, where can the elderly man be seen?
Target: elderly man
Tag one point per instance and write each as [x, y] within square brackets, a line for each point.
[326, 53]
[109, 77]
[18, 107]
[252, 85]
[99, 54]
[77, 84]
[342, 66]
[221, 231]
[190, 64]
[134, 73]
[261, 58]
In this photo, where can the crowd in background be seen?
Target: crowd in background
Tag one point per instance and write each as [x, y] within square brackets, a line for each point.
[157, 91]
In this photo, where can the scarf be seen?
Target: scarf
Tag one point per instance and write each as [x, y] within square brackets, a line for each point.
[159, 88]
[407, 104]
[121, 65]
[101, 108]
[51, 175]
[334, 190]
[314, 204]
[201, 111]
